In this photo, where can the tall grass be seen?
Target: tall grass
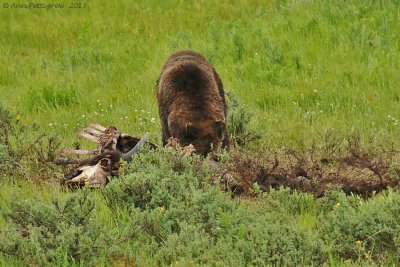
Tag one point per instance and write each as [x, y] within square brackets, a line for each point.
[302, 69]
[302, 66]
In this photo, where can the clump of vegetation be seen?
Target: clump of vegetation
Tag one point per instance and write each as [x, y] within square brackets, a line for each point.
[337, 161]
[43, 233]
[25, 151]
[239, 122]
[155, 179]
[164, 211]
[5, 123]
[358, 230]
[182, 218]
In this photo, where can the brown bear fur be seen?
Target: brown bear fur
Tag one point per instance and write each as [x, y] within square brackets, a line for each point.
[191, 102]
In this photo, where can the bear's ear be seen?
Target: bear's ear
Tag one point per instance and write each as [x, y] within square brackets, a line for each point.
[190, 130]
[219, 127]
[188, 127]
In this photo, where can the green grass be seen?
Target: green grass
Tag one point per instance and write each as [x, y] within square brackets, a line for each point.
[302, 68]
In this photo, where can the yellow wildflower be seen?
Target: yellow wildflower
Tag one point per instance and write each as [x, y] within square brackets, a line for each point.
[161, 209]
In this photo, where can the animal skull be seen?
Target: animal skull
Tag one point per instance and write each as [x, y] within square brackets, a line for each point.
[94, 176]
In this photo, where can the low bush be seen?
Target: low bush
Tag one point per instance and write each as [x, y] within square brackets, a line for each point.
[43, 233]
[360, 230]
[183, 219]
[25, 151]
[239, 122]
[167, 209]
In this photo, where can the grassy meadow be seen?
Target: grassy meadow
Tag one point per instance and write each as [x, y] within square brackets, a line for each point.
[300, 69]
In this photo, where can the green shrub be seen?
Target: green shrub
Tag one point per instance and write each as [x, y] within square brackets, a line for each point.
[361, 230]
[40, 233]
[239, 119]
[5, 163]
[24, 149]
[179, 218]
[167, 209]
[156, 179]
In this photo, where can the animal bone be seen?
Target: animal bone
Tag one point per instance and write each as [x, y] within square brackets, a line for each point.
[67, 161]
[109, 139]
[128, 156]
[98, 126]
[88, 170]
[65, 151]
[93, 131]
[113, 147]
[87, 136]
[94, 176]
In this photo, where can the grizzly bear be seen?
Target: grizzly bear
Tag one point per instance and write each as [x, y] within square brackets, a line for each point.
[191, 102]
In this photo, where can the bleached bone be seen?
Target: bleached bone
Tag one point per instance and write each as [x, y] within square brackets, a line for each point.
[92, 131]
[87, 136]
[128, 155]
[66, 151]
[113, 155]
[94, 176]
[67, 161]
[98, 126]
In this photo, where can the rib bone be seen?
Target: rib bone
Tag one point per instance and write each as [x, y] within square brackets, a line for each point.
[98, 126]
[67, 161]
[92, 131]
[66, 151]
[87, 136]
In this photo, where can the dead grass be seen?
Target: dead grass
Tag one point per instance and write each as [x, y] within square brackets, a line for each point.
[313, 170]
